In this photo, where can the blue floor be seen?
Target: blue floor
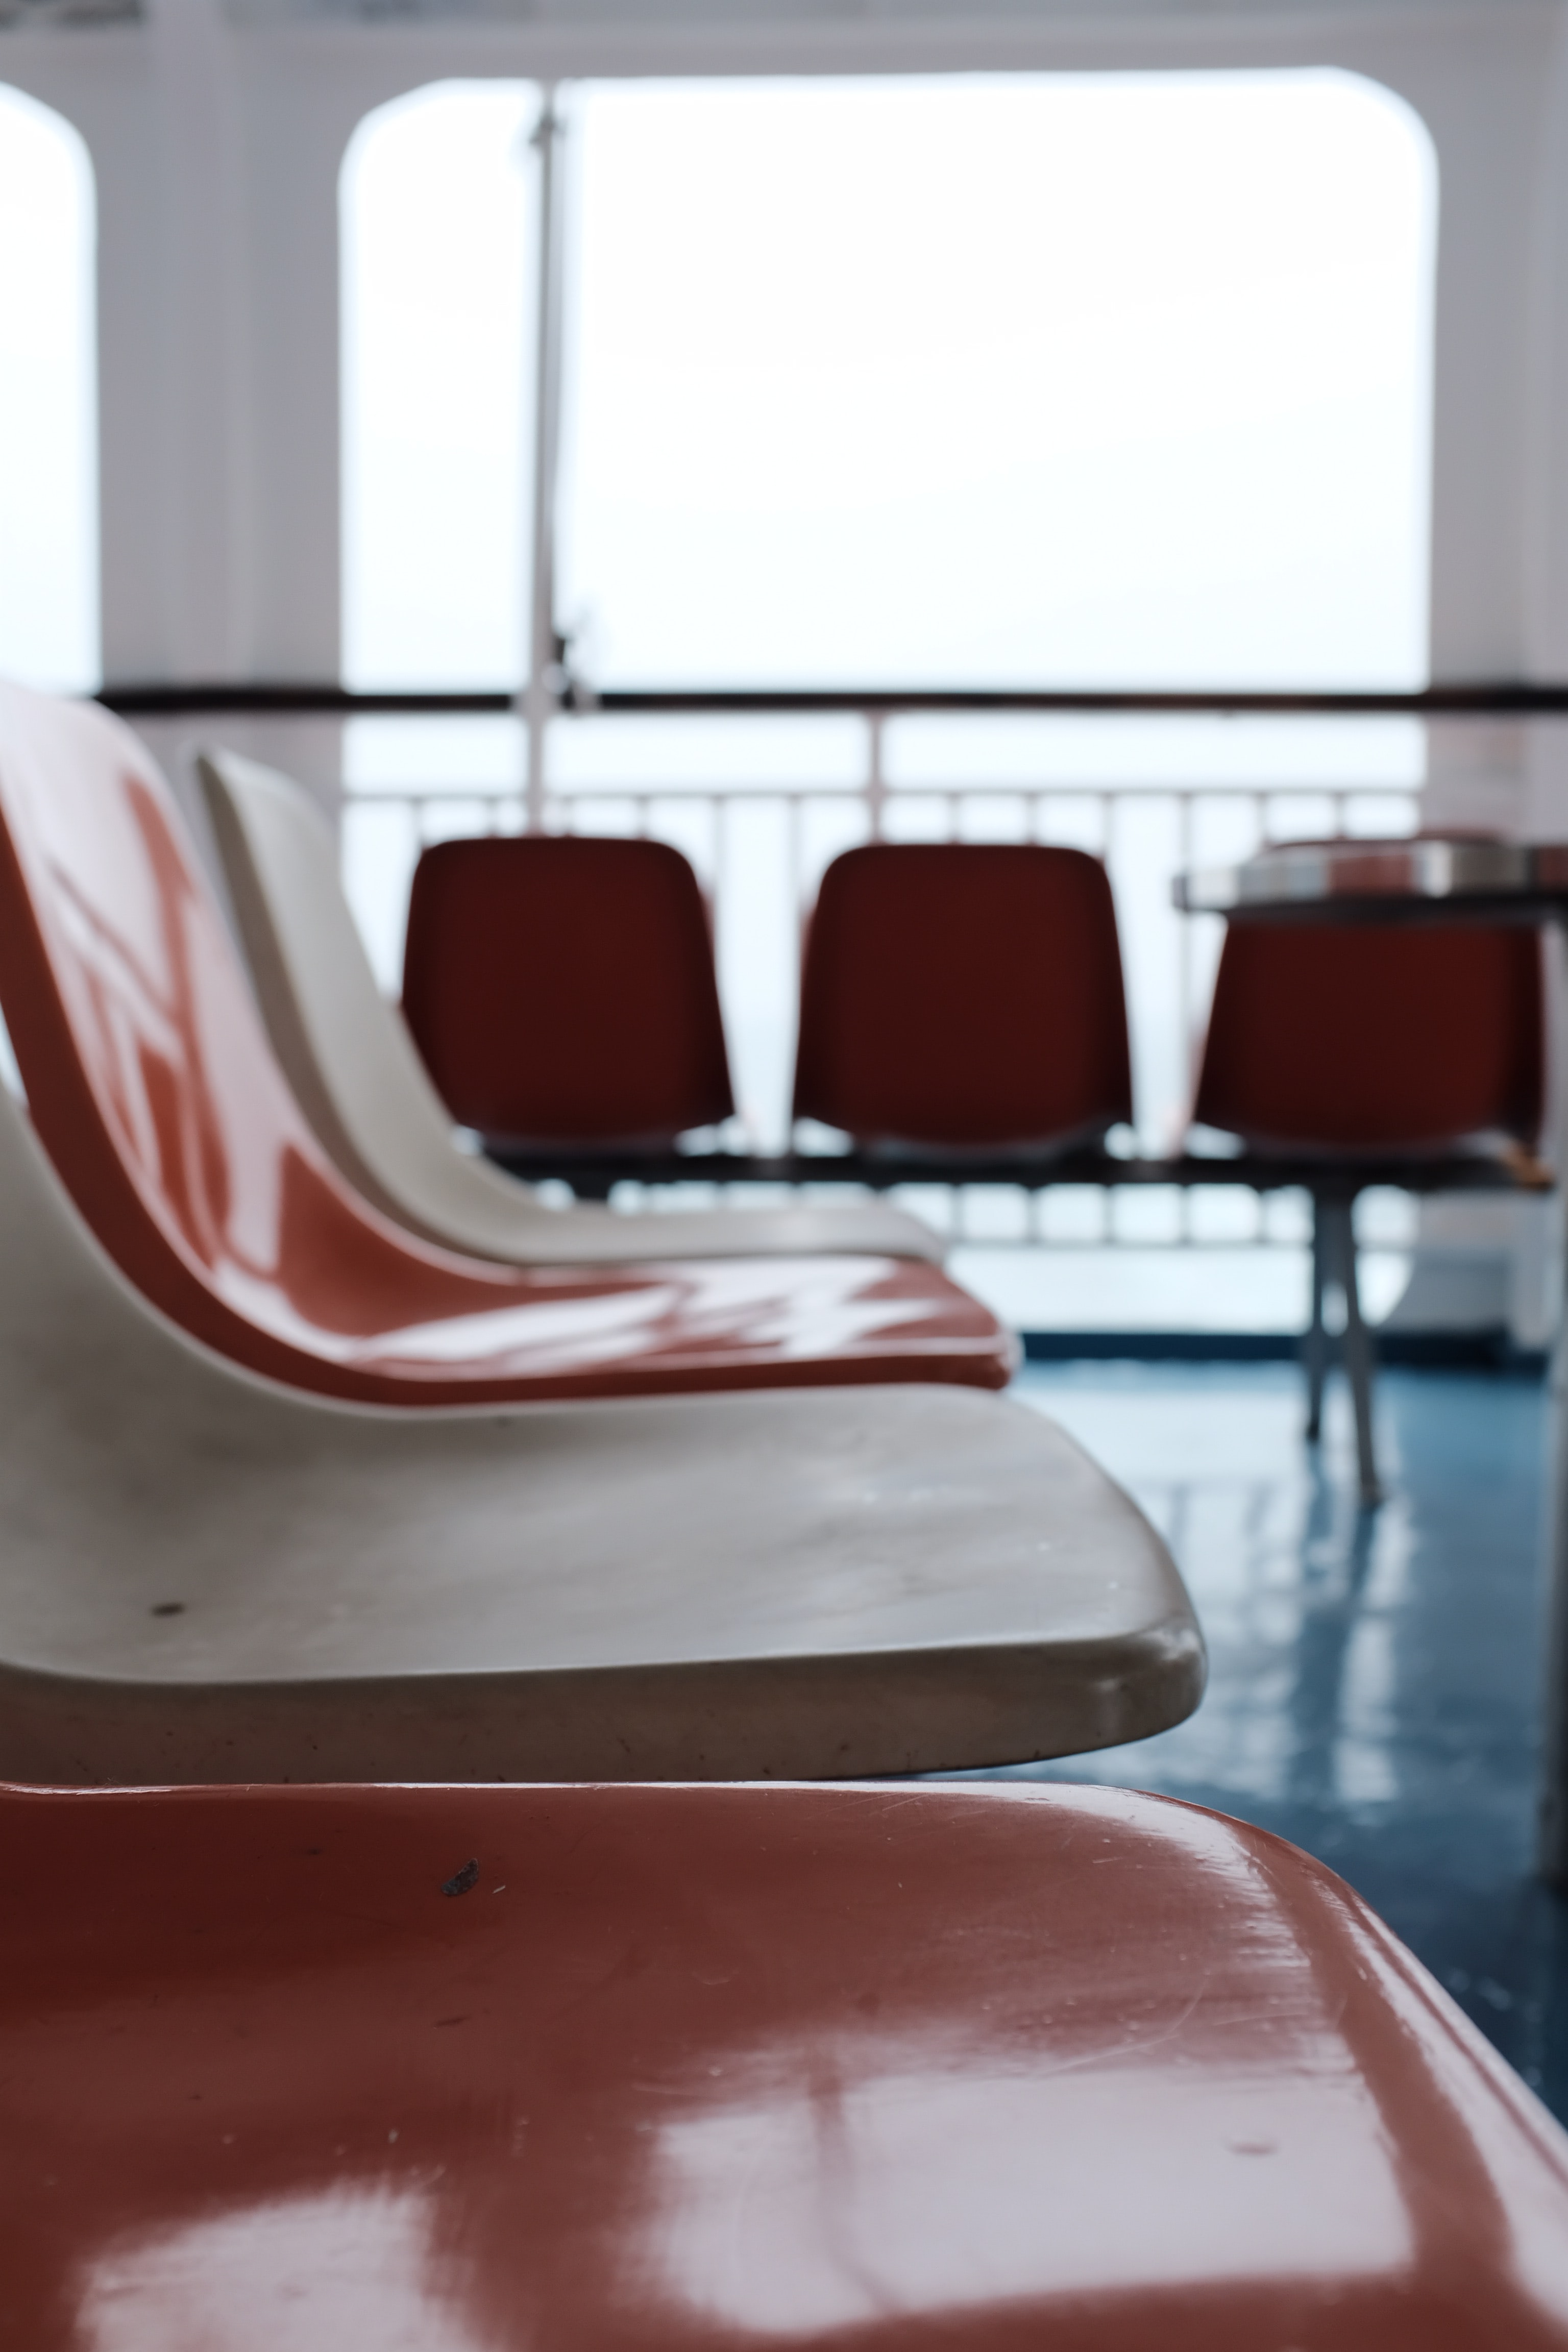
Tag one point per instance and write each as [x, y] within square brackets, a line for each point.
[1374, 1681]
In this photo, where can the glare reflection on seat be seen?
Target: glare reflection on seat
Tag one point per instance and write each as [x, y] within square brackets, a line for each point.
[346, 2265]
[923, 2192]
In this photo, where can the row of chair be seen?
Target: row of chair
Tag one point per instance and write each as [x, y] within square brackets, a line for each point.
[293, 1488]
[962, 1012]
[287, 1492]
[955, 995]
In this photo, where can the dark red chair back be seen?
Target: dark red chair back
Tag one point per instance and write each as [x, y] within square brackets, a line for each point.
[959, 993]
[561, 989]
[1363, 1037]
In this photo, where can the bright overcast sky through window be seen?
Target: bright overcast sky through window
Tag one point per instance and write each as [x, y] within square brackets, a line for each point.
[437, 215]
[1042, 380]
[49, 435]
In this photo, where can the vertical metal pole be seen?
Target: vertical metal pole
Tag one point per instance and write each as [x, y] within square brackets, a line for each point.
[542, 695]
[876, 781]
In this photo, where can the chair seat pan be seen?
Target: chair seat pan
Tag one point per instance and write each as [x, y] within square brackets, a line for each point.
[702, 1588]
[321, 2070]
[476, 1336]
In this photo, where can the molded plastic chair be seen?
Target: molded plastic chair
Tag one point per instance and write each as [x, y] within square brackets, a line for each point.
[1359, 1038]
[353, 1069]
[562, 989]
[964, 994]
[206, 1576]
[152, 1086]
[969, 2070]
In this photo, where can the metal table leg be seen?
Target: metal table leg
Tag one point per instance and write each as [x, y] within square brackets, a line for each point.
[1315, 1346]
[1358, 1347]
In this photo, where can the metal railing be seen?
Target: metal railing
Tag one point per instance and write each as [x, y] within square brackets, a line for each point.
[760, 849]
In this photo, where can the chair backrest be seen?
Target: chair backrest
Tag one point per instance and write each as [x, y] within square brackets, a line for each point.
[355, 1074]
[561, 989]
[964, 994]
[1363, 1036]
[152, 1088]
[349, 1059]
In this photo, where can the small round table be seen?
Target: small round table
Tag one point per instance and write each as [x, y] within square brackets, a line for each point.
[1446, 881]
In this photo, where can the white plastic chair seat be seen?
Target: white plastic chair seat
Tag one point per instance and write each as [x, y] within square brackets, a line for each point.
[207, 1577]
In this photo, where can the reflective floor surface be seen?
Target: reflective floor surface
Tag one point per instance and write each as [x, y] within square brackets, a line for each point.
[1373, 1690]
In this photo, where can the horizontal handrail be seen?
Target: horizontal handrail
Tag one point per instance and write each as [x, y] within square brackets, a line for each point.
[1326, 1176]
[567, 798]
[1497, 698]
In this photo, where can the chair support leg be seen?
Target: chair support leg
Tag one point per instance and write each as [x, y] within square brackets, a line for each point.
[1315, 1346]
[1358, 1345]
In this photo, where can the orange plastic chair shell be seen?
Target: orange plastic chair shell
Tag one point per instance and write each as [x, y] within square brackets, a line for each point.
[964, 994]
[647, 2070]
[154, 1089]
[561, 988]
[1357, 1036]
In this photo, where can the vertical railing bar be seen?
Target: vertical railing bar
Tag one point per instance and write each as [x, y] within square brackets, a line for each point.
[540, 699]
[794, 883]
[1186, 992]
[718, 805]
[876, 778]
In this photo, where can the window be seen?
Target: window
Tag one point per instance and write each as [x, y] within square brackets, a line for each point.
[438, 256]
[48, 422]
[973, 382]
[1076, 380]
[1050, 379]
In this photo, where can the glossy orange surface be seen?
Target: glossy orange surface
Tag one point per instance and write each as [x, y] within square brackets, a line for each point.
[155, 1092]
[345, 2071]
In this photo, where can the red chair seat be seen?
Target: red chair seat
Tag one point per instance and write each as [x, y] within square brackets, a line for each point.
[924, 2070]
